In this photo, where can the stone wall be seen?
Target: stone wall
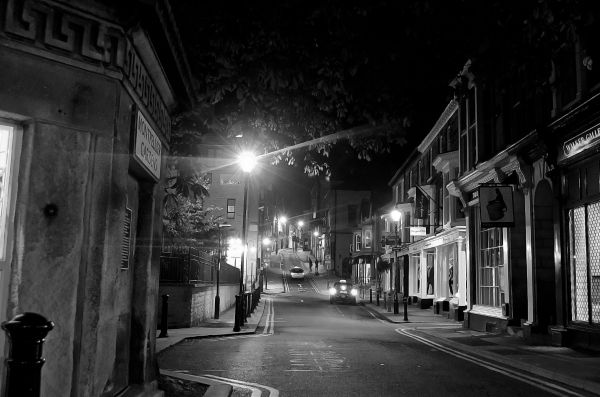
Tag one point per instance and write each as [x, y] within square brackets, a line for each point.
[189, 305]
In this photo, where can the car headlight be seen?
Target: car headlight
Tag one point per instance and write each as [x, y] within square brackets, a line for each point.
[332, 291]
[354, 292]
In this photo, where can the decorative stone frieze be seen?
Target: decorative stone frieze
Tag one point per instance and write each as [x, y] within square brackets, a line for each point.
[66, 34]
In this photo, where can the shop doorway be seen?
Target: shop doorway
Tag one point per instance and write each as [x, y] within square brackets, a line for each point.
[545, 287]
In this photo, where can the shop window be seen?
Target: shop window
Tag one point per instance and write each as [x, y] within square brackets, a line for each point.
[584, 245]
[352, 214]
[368, 238]
[357, 243]
[230, 208]
[490, 267]
[468, 131]
[567, 75]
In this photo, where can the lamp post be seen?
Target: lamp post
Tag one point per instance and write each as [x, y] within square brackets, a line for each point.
[300, 224]
[217, 297]
[316, 248]
[396, 217]
[247, 161]
[282, 220]
[267, 243]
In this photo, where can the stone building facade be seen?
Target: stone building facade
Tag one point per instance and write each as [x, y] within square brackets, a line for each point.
[85, 117]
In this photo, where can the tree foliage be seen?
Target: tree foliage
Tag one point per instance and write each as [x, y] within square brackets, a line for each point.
[293, 71]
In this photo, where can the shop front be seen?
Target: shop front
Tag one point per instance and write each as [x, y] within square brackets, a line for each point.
[579, 170]
[496, 276]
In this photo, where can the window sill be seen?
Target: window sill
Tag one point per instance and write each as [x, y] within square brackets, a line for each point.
[487, 311]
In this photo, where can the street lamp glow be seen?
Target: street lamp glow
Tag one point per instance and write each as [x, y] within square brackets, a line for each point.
[247, 161]
[395, 215]
[316, 233]
[300, 223]
[283, 219]
[266, 241]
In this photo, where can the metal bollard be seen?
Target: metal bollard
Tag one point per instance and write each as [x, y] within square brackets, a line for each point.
[370, 295]
[164, 316]
[26, 333]
[238, 314]
[377, 297]
[396, 311]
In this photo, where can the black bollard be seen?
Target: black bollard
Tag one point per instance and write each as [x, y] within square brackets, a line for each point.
[370, 295]
[238, 314]
[377, 297]
[396, 308]
[405, 301]
[164, 316]
[26, 333]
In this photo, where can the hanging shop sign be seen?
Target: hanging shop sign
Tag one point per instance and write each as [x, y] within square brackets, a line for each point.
[418, 231]
[496, 206]
[147, 146]
[581, 142]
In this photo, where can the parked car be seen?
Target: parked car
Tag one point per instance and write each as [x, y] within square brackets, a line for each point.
[343, 291]
[297, 272]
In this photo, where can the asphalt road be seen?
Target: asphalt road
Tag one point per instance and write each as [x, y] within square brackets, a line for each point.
[306, 346]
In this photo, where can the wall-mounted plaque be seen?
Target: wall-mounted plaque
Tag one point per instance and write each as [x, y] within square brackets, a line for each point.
[148, 148]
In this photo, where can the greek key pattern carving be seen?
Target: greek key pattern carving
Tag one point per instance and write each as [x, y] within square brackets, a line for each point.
[139, 78]
[54, 28]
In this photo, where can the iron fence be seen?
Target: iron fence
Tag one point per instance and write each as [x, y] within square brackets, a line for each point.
[192, 265]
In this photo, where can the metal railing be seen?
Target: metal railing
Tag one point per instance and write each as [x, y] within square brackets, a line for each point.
[191, 265]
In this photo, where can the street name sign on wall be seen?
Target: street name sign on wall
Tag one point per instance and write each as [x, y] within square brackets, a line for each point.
[148, 148]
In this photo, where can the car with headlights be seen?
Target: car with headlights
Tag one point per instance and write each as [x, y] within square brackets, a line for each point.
[343, 291]
[297, 272]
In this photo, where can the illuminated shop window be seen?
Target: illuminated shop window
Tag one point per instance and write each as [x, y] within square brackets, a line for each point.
[584, 247]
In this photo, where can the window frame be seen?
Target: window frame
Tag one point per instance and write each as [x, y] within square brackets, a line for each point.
[230, 208]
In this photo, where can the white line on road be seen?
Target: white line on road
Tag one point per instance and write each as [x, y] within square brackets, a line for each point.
[255, 387]
[537, 382]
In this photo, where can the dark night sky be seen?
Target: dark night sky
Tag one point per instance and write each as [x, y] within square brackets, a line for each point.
[399, 55]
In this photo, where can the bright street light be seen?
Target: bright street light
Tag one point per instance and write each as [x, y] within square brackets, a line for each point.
[266, 241]
[300, 223]
[247, 161]
[316, 233]
[283, 219]
[395, 215]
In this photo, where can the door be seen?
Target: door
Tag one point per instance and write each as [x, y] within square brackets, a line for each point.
[124, 287]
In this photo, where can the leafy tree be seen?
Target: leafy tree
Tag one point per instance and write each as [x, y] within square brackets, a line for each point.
[370, 74]
[188, 219]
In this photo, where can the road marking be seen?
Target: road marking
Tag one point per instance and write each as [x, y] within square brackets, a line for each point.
[537, 382]
[255, 387]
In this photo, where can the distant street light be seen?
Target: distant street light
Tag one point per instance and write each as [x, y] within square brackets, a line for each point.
[217, 297]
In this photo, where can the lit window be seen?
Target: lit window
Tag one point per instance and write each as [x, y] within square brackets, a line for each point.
[230, 208]
[357, 243]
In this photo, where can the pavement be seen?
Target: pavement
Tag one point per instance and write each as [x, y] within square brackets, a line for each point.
[500, 352]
